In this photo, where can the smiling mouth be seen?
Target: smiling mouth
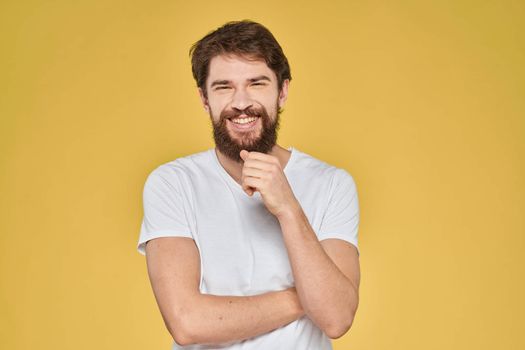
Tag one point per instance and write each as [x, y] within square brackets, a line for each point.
[243, 122]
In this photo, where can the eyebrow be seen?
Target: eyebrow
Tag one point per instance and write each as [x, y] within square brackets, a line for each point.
[260, 77]
[251, 80]
[220, 82]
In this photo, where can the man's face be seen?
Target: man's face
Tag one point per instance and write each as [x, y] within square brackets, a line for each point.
[243, 102]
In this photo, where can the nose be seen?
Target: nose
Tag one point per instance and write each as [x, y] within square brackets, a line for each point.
[241, 99]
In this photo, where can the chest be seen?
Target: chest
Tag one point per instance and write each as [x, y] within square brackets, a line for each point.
[240, 242]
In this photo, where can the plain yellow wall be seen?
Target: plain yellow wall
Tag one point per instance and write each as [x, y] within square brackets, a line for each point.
[423, 102]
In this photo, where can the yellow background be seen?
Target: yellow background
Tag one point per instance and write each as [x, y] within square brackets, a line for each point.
[423, 102]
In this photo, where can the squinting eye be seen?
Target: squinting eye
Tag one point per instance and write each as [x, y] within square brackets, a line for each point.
[259, 84]
[222, 87]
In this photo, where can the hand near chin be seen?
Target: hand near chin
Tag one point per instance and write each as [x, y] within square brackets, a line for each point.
[263, 173]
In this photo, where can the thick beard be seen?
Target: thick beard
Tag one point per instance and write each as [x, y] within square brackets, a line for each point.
[232, 148]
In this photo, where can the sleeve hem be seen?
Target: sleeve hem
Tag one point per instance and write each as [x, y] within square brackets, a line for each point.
[141, 246]
[352, 241]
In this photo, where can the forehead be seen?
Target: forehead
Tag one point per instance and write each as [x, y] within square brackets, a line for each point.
[237, 68]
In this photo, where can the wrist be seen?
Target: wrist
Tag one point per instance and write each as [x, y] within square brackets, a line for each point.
[289, 212]
[295, 303]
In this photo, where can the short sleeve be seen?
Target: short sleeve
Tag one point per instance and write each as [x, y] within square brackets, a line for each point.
[164, 213]
[341, 219]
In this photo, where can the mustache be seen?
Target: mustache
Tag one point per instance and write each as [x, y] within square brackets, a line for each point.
[250, 112]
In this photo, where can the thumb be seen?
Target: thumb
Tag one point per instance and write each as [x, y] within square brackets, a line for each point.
[244, 154]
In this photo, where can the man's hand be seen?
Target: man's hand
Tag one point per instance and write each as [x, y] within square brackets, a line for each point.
[262, 172]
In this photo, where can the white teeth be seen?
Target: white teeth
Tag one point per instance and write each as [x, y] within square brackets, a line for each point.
[243, 120]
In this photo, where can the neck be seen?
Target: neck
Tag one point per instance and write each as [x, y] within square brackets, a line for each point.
[234, 169]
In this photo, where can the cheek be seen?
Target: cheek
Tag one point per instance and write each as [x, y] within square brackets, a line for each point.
[268, 100]
[215, 107]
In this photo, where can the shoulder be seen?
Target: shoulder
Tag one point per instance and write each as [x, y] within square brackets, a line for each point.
[310, 169]
[181, 169]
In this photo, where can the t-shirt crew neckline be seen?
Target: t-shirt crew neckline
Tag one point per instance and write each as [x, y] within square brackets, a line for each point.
[234, 183]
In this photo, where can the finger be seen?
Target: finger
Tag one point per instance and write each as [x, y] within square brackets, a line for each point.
[252, 182]
[244, 154]
[264, 157]
[249, 191]
[253, 172]
[258, 164]
[246, 188]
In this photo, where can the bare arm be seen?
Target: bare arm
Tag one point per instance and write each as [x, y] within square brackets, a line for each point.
[332, 264]
[326, 274]
[195, 318]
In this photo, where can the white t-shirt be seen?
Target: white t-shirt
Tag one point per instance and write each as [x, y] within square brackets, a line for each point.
[240, 242]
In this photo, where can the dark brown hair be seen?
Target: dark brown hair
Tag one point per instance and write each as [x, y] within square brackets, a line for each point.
[243, 38]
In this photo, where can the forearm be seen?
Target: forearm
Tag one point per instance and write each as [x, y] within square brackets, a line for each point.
[211, 319]
[326, 294]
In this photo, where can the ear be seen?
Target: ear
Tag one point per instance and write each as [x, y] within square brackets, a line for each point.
[204, 100]
[283, 95]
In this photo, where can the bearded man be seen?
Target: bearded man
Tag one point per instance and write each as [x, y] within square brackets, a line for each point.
[250, 245]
